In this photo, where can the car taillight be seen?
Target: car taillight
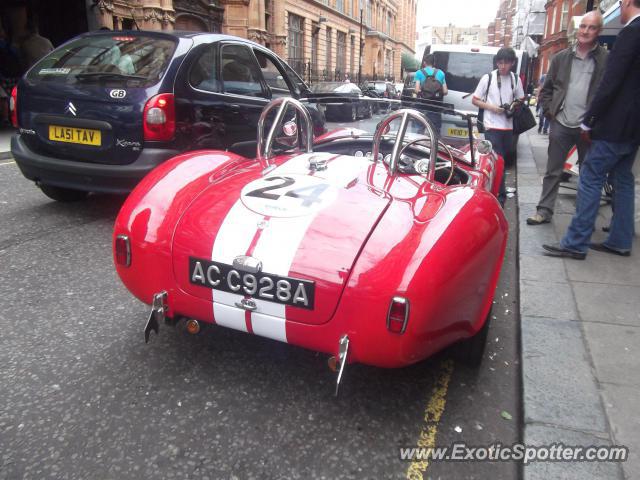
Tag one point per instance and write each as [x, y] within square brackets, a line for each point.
[398, 315]
[159, 118]
[123, 250]
[13, 106]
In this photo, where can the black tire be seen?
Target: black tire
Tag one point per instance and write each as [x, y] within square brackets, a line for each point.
[60, 194]
[471, 350]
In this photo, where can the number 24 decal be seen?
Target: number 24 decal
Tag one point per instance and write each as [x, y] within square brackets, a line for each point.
[309, 194]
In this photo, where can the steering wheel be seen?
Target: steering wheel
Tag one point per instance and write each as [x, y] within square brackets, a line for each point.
[405, 115]
[265, 146]
[440, 165]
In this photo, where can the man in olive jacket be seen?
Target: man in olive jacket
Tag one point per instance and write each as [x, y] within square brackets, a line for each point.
[568, 89]
[613, 122]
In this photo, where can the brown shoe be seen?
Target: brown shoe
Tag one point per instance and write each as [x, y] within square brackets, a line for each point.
[537, 219]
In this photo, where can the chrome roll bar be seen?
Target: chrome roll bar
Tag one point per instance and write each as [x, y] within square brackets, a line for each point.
[405, 114]
[264, 151]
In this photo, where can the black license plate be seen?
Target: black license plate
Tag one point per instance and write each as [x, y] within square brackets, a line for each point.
[260, 285]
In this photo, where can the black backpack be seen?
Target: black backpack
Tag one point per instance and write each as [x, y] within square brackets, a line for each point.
[431, 88]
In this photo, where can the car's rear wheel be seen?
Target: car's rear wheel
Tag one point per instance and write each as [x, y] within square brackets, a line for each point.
[60, 194]
[471, 350]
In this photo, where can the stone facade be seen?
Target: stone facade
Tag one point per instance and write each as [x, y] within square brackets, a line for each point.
[320, 39]
[156, 15]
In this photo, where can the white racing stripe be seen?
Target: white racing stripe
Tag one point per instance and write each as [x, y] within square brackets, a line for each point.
[276, 248]
[233, 239]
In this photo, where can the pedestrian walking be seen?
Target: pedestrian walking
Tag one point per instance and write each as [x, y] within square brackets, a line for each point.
[613, 123]
[569, 87]
[431, 84]
[496, 93]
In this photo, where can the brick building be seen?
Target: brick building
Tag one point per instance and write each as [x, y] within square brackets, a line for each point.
[500, 30]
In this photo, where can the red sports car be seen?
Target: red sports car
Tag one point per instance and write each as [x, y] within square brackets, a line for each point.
[381, 249]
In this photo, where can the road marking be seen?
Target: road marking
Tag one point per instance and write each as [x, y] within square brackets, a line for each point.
[7, 163]
[432, 413]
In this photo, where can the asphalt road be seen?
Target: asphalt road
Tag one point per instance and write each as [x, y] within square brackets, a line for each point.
[84, 397]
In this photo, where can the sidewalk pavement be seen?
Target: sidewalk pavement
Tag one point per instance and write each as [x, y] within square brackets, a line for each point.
[580, 332]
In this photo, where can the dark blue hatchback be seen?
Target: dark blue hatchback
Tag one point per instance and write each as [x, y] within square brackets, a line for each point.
[102, 110]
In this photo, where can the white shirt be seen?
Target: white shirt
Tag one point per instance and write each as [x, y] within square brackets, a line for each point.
[506, 94]
[631, 20]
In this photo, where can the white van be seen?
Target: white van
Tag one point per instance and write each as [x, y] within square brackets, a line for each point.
[464, 66]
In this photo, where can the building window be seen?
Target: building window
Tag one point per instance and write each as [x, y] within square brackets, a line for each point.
[268, 15]
[315, 29]
[341, 52]
[564, 18]
[295, 41]
[369, 15]
[553, 20]
[353, 55]
[389, 24]
[340, 6]
[329, 48]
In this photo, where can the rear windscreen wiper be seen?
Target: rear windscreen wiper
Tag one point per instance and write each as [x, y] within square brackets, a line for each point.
[108, 76]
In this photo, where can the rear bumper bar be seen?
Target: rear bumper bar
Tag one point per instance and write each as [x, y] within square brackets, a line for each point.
[86, 176]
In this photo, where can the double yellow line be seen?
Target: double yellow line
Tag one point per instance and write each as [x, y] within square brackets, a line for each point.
[432, 414]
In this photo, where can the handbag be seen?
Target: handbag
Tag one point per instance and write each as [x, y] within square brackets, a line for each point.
[523, 120]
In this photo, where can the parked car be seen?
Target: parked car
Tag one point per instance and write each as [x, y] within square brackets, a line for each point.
[348, 102]
[101, 111]
[377, 102]
[371, 248]
[386, 90]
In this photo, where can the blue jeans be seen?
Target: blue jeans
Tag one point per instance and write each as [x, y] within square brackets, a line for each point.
[501, 141]
[604, 158]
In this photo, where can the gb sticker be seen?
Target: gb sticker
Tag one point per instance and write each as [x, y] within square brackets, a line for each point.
[117, 93]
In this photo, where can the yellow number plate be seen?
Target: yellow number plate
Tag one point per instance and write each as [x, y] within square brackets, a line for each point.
[83, 136]
[458, 132]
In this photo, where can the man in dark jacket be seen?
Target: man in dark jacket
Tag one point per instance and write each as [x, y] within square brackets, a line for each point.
[568, 89]
[613, 122]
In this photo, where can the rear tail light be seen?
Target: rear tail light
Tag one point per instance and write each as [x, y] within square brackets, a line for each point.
[13, 106]
[398, 315]
[123, 250]
[160, 118]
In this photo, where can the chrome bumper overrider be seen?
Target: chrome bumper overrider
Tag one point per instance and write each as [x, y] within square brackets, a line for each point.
[343, 350]
[158, 309]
